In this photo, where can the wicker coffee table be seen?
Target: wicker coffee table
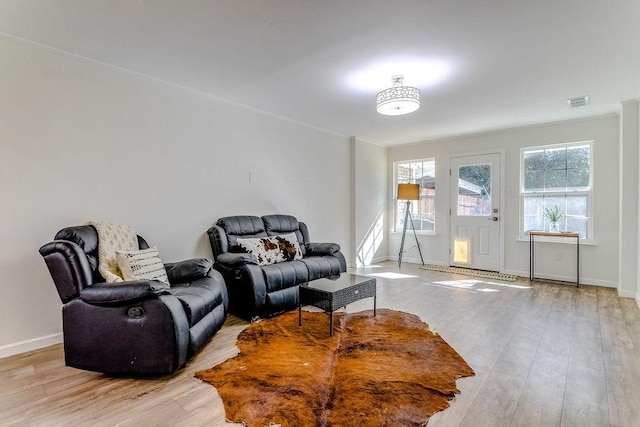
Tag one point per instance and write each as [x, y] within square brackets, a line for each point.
[330, 295]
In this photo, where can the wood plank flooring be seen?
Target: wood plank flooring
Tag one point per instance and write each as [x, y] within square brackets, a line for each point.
[544, 355]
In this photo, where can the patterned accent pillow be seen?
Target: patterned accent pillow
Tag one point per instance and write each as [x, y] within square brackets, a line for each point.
[290, 246]
[142, 265]
[272, 249]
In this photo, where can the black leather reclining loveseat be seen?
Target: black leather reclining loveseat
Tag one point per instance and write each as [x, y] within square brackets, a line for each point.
[134, 327]
[264, 290]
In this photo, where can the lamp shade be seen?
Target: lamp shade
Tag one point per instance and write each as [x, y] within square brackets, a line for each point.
[408, 192]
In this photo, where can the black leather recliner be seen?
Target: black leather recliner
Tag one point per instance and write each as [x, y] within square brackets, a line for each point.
[261, 291]
[133, 327]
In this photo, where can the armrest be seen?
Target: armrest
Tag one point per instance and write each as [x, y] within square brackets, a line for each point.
[187, 270]
[322, 248]
[68, 266]
[231, 259]
[123, 292]
[218, 240]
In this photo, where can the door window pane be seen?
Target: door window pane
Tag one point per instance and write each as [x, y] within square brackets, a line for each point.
[474, 190]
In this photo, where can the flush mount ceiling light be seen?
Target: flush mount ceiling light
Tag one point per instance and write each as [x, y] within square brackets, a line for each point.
[398, 99]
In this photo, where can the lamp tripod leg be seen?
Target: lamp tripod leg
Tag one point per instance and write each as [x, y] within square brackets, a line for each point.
[416, 237]
[404, 233]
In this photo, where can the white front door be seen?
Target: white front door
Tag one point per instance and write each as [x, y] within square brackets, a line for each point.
[475, 212]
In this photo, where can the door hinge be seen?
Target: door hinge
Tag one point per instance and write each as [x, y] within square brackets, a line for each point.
[449, 251]
[449, 212]
[449, 172]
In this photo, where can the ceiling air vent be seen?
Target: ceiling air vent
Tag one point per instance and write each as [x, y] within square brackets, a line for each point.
[579, 101]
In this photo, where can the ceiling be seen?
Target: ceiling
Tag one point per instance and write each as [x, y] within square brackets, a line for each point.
[481, 65]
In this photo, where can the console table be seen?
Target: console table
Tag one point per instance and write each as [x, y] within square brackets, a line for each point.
[570, 234]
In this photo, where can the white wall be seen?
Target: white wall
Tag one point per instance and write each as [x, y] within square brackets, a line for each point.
[637, 260]
[81, 141]
[628, 200]
[598, 261]
[370, 196]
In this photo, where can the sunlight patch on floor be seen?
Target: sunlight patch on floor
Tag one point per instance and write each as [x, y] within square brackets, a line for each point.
[450, 287]
[508, 285]
[391, 275]
[459, 283]
[476, 285]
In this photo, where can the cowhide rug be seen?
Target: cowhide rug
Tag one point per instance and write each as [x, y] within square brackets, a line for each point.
[388, 370]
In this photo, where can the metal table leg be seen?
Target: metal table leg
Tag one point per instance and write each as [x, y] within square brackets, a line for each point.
[530, 257]
[331, 323]
[577, 261]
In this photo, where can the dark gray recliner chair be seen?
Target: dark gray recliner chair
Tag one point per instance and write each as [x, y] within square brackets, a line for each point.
[133, 327]
[260, 291]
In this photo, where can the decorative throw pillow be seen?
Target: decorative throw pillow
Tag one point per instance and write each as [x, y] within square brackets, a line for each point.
[141, 265]
[272, 249]
[290, 246]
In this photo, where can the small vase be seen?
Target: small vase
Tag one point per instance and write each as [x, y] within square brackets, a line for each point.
[553, 227]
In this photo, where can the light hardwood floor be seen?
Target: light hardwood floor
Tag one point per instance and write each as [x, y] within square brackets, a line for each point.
[544, 355]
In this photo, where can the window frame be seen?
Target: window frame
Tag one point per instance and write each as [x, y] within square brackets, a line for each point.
[432, 197]
[559, 193]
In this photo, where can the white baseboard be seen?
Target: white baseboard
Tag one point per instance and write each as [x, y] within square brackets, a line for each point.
[419, 261]
[29, 345]
[373, 261]
[627, 294]
[583, 280]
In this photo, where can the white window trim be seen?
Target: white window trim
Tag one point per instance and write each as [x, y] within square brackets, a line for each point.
[588, 193]
[395, 198]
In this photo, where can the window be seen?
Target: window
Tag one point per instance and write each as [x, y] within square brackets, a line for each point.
[422, 172]
[557, 177]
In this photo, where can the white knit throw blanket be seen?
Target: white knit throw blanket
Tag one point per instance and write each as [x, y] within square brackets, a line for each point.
[111, 238]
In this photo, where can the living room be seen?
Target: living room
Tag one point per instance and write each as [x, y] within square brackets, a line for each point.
[85, 139]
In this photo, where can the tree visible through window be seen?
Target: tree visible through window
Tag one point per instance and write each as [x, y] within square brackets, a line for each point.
[420, 172]
[557, 176]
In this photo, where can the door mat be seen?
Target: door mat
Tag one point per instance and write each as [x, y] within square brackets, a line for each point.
[471, 272]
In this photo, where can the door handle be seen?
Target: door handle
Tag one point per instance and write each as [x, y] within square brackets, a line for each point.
[493, 218]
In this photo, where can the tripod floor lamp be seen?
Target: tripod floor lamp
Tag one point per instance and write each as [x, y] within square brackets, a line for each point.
[408, 192]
